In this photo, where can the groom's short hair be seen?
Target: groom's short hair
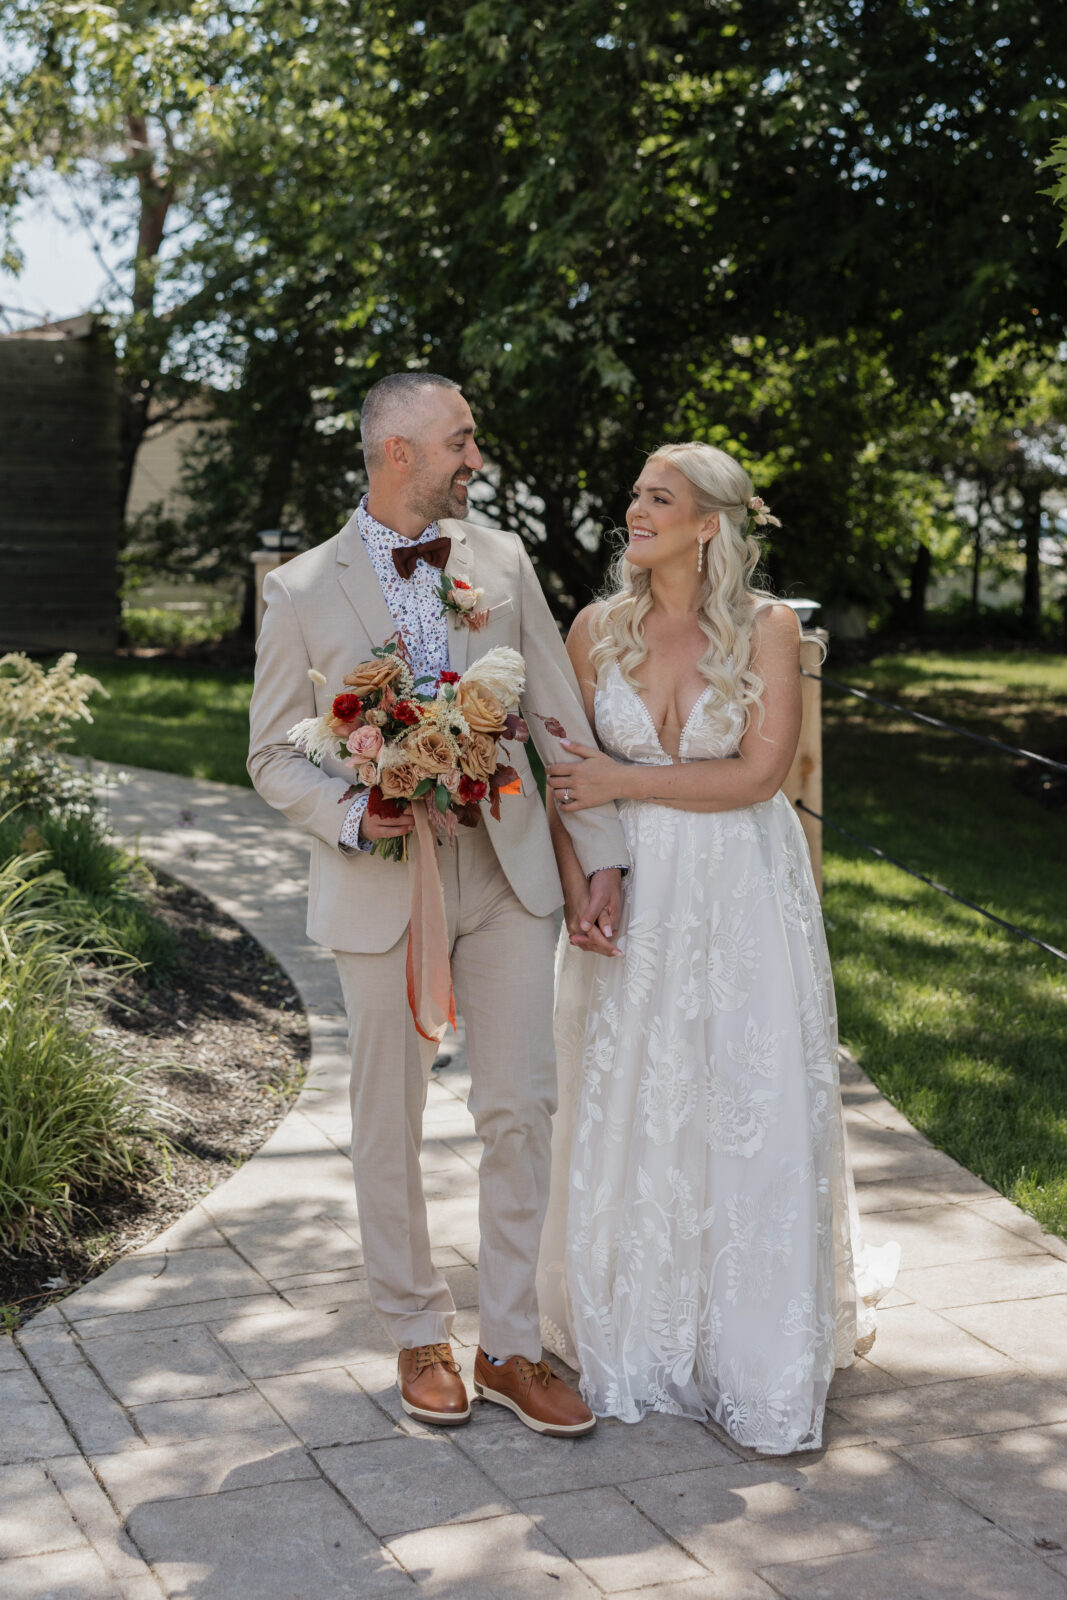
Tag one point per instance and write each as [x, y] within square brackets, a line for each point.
[387, 408]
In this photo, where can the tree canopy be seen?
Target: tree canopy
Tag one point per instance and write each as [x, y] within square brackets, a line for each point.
[797, 229]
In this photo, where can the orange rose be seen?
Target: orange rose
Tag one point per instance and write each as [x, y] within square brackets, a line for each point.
[478, 756]
[483, 711]
[372, 676]
[430, 750]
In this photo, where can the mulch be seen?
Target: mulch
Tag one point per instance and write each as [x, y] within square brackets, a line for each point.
[226, 1045]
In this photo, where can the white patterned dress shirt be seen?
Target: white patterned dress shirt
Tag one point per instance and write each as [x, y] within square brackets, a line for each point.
[415, 607]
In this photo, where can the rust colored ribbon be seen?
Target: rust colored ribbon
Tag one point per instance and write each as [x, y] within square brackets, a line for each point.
[429, 975]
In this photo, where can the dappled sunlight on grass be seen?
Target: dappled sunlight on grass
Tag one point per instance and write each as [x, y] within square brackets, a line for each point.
[961, 1024]
[171, 716]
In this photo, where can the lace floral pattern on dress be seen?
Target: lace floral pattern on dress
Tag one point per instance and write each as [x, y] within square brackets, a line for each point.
[699, 1252]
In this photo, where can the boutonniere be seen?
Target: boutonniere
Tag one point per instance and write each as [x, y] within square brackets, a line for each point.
[460, 600]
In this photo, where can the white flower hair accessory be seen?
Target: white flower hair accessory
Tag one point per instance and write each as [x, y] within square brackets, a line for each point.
[759, 514]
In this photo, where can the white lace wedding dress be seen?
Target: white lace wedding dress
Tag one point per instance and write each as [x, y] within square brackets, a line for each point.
[699, 1253]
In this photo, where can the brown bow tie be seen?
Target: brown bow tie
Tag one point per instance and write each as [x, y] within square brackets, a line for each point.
[435, 551]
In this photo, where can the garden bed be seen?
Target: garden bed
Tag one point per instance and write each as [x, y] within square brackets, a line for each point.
[226, 1042]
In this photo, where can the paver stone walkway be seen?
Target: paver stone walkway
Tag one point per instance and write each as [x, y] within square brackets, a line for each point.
[214, 1418]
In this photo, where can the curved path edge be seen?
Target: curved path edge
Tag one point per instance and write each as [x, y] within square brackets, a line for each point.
[215, 1415]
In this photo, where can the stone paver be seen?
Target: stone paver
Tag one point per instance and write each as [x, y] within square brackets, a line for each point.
[32, 1427]
[276, 1541]
[401, 1484]
[609, 1539]
[1017, 1479]
[34, 1513]
[985, 1566]
[217, 1414]
[163, 1364]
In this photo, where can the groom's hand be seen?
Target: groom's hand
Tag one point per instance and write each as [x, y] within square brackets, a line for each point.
[374, 828]
[599, 921]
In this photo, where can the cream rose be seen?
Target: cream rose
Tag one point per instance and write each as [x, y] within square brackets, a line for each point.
[452, 779]
[483, 710]
[466, 598]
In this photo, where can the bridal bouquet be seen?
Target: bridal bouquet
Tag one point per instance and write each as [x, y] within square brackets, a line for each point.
[407, 739]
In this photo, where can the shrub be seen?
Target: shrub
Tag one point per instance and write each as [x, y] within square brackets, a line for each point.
[37, 711]
[70, 1116]
[155, 626]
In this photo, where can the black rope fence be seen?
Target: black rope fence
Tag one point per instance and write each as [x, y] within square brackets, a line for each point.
[936, 722]
[932, 883]
[873, 849]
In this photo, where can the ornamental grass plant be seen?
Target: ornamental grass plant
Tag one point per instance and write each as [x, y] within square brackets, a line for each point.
[71, 1118]
[74, 921]
[102, 887]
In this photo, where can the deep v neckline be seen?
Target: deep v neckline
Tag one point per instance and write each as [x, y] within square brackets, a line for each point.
[697, 703]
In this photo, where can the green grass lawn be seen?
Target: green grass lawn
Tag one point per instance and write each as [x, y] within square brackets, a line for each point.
[170, 715]
[963, 1026]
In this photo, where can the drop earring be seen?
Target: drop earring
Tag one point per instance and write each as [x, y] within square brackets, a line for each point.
[700, 557]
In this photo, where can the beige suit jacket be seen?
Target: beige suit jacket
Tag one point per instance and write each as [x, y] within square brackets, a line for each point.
[325, 609]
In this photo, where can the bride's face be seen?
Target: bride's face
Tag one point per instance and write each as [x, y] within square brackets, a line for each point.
[663, 520]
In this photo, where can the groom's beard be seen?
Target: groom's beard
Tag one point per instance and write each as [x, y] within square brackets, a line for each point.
[432, 501]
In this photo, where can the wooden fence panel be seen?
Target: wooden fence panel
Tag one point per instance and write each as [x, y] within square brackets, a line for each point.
[59, 514]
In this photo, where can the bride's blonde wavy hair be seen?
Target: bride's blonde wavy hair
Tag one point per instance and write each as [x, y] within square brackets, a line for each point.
[730, 602]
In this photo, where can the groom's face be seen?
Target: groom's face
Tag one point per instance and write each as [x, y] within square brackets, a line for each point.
[445, 455]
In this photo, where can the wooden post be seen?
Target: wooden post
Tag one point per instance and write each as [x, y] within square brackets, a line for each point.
[805, 775]
[264, 561]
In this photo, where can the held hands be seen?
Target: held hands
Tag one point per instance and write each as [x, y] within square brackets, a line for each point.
[589, 778]
[593, 912]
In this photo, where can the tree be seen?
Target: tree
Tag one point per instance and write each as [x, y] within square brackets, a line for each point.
[774, 224]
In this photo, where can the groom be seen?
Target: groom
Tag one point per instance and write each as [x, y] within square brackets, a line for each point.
[326, 610]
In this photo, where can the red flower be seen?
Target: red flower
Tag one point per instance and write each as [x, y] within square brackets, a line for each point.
[458, 583]
[405, 712]
[448, 677]
[347, 707]
[379, 806]
[471, 790]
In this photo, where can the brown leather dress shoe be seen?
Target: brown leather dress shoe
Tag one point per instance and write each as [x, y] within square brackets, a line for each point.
[537, 1397]
[431, 1389]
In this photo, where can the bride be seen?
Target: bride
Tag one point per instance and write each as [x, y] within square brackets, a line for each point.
[699, 1256]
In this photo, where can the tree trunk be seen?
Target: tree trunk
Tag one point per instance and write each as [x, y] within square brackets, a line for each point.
[918, 579]
[976, 558]
[142, 341]
[1031, 610]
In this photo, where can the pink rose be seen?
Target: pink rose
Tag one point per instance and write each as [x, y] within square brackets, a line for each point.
[364, 742]
[368, 774]
[451, 780]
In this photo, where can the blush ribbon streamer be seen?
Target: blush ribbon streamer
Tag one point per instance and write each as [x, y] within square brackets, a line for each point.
[429, 975]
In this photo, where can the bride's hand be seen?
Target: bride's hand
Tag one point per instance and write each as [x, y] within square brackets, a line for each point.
[589, 778]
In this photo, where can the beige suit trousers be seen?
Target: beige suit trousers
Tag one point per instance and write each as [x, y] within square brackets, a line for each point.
[502, 976]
